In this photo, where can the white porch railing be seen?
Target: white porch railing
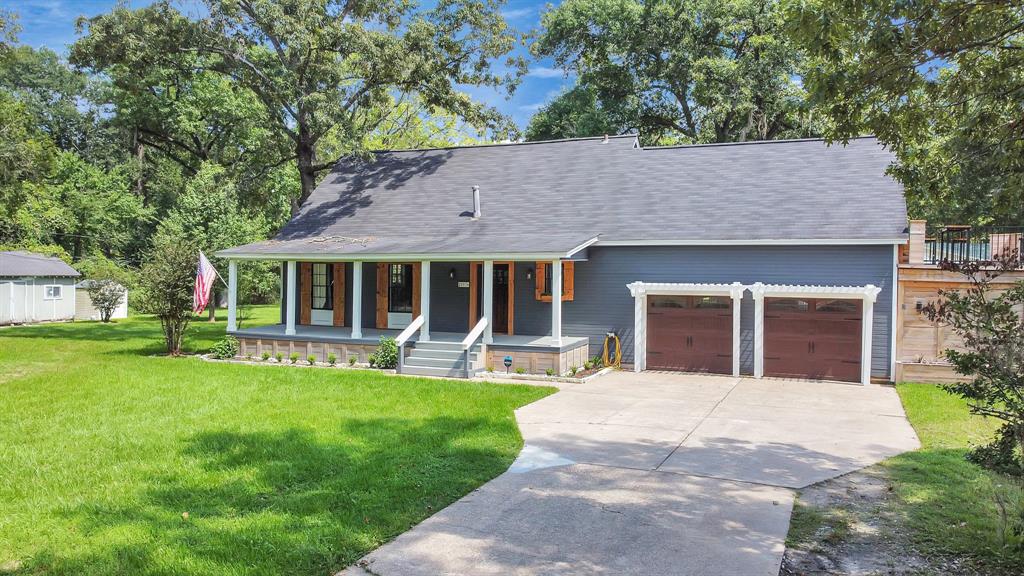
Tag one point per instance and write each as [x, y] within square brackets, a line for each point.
[404, 336]
[470, 340]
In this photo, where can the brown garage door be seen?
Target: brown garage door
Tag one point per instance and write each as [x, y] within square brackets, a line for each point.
[689, 333]
[812, 338]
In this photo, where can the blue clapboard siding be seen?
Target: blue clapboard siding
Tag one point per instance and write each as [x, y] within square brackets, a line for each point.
[603, 304]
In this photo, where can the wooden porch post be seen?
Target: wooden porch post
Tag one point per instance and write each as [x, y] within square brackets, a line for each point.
[556, 302]
[232, 295]
[357, 299]
[425, 300]
[489, 301]
[289, 312]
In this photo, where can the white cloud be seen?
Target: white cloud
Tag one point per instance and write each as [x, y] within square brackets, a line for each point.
[545, 72]
[517, 13]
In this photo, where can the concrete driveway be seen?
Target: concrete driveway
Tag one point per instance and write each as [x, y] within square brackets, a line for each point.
[655, 473]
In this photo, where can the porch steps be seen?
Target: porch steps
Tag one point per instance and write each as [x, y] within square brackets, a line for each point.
[441, 359]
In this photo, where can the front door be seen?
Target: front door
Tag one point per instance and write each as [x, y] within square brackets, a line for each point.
[501, 297]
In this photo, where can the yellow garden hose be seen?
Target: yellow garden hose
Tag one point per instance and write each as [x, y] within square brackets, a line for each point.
[618, 350]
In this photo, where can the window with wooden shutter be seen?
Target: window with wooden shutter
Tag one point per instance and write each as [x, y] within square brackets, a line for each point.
[542, 290]
[306, 295]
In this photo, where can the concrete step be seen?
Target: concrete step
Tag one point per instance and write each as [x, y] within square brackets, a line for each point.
[433, 362]
[442, 372]
[434, 353]
[436, 345]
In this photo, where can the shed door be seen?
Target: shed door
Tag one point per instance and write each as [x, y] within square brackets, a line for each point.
[813, 338]
[689, 333]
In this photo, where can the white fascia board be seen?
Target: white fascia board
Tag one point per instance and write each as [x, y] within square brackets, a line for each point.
[583, 246]
[780, 242]
[419, 257]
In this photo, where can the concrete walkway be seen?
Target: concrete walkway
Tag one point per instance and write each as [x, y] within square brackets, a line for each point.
[654, 473]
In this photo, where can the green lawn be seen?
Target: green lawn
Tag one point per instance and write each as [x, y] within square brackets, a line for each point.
[950, 504]
[114, 460]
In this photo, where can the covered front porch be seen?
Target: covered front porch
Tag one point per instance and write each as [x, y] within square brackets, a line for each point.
[462, 312]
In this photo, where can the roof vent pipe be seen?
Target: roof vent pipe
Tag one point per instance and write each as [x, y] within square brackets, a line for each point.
[476, 202]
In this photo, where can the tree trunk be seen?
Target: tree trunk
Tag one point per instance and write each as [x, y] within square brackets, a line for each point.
[212, 306]
[305, 152]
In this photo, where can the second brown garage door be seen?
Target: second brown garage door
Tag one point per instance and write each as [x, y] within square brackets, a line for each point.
[689, 333]
[812, 338]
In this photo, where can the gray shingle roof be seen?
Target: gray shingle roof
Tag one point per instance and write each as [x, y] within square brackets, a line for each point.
[552, 196]
[18, 263]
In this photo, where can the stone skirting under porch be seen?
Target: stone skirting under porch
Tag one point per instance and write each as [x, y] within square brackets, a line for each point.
[534, 354]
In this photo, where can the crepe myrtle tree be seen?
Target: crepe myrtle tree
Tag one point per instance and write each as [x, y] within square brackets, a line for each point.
[106, 295]
[991, 325]
[166, 281]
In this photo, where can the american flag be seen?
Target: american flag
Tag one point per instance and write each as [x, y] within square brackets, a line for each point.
[205, 275]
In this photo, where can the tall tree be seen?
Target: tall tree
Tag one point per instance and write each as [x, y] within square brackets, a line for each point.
[686, 70]
[319, 67]
[941, 82]
[576, 113]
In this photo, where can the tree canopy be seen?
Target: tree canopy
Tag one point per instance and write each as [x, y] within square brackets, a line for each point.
[575, 113]
[941, 82]
[684, 70]
[320, 70]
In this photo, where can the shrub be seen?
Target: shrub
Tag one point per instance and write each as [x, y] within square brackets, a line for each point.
[166, 282]
[280, 357]
[490, 368]
[550, 371]
[989, 323]
[386, 355]
[294, 357]
[573, 370]
[352, 360]
[265, 356]
[311, 359]
[597, 362]
[520, 370]
[227, 347]
[106, 295]
[332, 358]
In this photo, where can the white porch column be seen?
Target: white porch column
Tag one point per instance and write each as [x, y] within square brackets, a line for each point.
[232, 295]
[871, 292]
[489, 301]
[639, 325]
[289, 313]
[425, 300]
[736, 293]
[357, 299]
[556, 302]
[758, 291]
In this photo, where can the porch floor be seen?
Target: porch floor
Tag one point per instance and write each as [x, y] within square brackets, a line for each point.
[343, 334]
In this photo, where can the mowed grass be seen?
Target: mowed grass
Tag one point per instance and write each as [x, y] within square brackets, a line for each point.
[114, 460]
[951, 505]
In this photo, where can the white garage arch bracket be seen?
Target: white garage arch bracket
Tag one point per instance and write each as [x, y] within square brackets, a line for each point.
[867, 294]
[640, 291]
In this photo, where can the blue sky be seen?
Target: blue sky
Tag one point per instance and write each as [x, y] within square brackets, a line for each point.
[51, 23]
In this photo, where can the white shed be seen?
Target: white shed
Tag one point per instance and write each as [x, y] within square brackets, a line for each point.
[84, 309]
[35, 288]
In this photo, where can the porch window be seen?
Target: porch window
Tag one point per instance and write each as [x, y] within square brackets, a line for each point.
[543, 280]
[400, 288]
[322, 286]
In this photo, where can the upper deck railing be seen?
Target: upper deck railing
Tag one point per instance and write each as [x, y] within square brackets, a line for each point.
[973, 243]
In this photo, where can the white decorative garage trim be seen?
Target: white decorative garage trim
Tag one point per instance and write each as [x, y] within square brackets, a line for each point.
[640, 291]
[867, 294]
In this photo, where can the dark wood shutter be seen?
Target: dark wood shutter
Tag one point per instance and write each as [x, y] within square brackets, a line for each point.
[417, 271]
[382, 295]
[339, 294]
[306, 292]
